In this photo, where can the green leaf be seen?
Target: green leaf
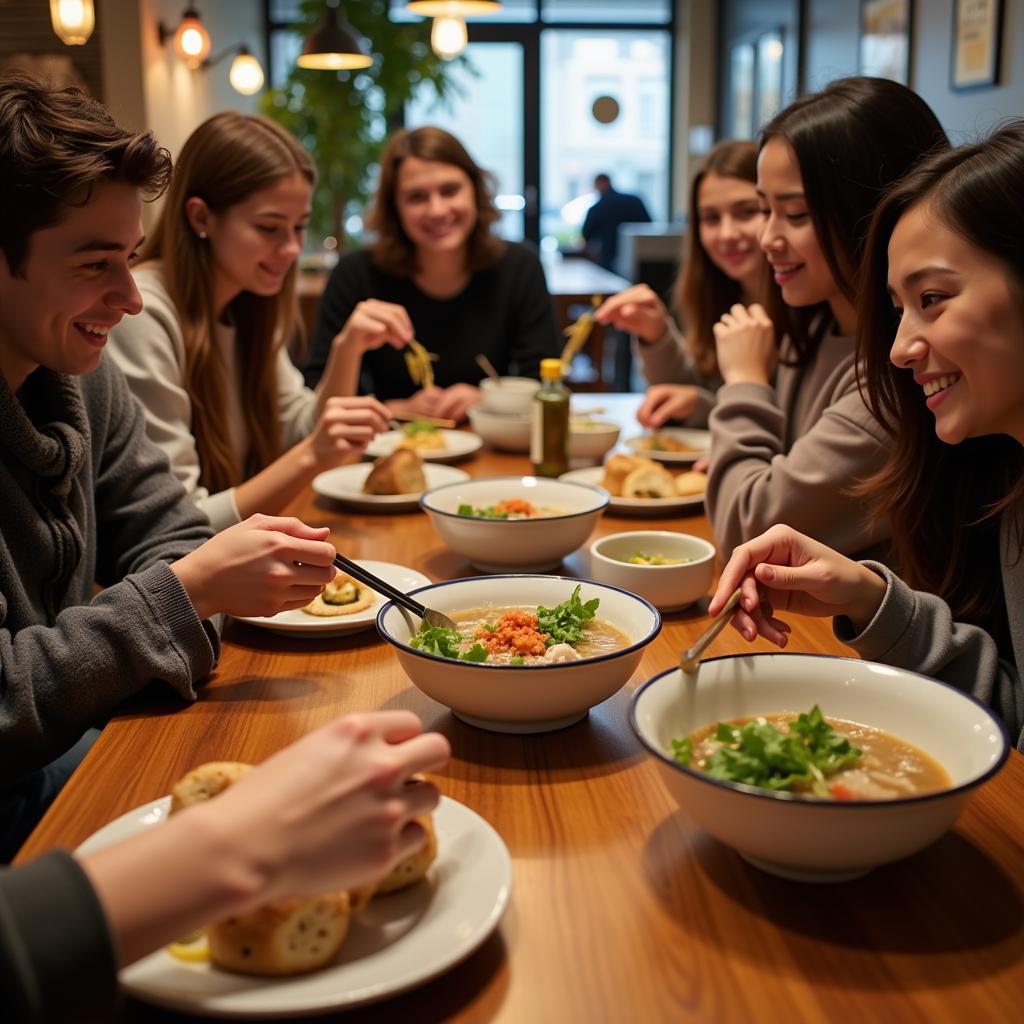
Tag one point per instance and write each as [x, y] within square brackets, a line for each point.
[476, 653]
[564, 623]
[516, 659]
[682, 750]
[481, 513]
[445, 643]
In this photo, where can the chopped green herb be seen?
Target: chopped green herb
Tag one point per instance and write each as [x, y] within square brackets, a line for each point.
[564, 623]
[758, 754]
[445, 644]
[642, 558]
[481, 513]
[418, 427]
[516, 659]
[490, 627]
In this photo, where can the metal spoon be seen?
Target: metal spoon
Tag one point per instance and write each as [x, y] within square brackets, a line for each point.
[428, 615]
[690, 658]
[488, 367]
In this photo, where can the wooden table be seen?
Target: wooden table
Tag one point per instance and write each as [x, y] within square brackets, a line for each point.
[622, 910]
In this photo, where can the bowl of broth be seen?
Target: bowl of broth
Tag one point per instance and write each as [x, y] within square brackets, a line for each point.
[529, 653]
[879, 766]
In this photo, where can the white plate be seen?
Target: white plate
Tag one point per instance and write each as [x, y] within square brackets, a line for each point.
[398, 942]
[635, 506]
[317, 627]
[345, 484]
[698, 440]
[457, 445]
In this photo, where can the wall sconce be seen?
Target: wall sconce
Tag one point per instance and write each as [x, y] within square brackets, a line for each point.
[72, 20]
[332, 45]
[246, 74]
[191, 40]
[452, 8]
[448, 37]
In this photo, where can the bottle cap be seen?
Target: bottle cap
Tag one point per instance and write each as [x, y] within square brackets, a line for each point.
[551, 369]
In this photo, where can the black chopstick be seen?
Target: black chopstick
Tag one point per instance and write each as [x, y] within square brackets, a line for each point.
[376, 583]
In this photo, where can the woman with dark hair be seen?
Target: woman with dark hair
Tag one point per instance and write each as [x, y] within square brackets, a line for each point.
[435, 273]
[941, 335]
[722, 264]
[790, 450]
[207, 358]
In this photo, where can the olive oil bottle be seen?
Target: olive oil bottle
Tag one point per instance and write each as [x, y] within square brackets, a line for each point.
[549, 428]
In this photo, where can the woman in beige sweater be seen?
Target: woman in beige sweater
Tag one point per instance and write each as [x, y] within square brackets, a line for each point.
[790, 433]
[946, 249]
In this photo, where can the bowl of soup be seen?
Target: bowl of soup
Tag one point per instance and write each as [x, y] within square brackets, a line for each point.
[506, 433]
[879, 766]
[669, 569]
[590, 439]
[514, 523]
[508, 396]
[529, 653]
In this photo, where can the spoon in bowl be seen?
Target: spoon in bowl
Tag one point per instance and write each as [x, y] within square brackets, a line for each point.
[488, 367]
[428, 615]
[690, 658]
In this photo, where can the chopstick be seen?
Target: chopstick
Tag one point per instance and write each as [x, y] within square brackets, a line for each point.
[357, 572]
[398, 418]
[690, 658]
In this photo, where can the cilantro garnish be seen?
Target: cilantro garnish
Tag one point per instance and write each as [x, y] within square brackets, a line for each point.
[445, 644]
[564, 623]
[481, 513]
[419, 427]
[758, 754]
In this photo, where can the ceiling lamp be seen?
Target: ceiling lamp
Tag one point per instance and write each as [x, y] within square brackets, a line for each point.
[452, 8]
[448, 37]
[246, 74]
[332, 45]
[72, 20]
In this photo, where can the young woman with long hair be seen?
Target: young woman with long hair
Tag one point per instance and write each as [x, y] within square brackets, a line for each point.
[941, 335]
[790, 431]
[207, 358]
[436, 273]
[722, 264]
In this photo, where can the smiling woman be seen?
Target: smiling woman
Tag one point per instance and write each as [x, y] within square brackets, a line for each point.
[207, 357]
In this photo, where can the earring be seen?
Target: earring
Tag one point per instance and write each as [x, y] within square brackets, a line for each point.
[202, 235]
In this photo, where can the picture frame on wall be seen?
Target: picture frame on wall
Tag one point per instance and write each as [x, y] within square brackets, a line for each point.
[884, 50]
[977, 42]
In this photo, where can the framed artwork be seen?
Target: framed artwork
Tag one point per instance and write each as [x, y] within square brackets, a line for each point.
[885, 39]
[977, 40]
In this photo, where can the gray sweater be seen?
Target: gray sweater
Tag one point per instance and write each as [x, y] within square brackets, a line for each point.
[916, 631]
[87, 498]
[786, 454]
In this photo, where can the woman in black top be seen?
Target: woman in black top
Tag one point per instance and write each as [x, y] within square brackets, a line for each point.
[438, 274]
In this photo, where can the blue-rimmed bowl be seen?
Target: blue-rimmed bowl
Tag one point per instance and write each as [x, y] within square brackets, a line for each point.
[515, 545]
[526, 698]
[803, 838]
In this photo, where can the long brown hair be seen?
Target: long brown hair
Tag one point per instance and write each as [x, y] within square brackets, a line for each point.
[226, 159]
[852, 141]
[703, 291]
[393, 250]
[943, 500]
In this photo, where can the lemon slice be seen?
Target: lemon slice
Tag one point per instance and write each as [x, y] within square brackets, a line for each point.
[193, 949]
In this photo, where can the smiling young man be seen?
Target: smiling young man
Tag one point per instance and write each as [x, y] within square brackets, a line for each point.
[86, 498]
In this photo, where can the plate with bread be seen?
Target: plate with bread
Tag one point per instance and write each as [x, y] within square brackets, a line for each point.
[303, 956]
[674, 445]
[393, 483]
[345, 606]
[430, 442]
[641, 487]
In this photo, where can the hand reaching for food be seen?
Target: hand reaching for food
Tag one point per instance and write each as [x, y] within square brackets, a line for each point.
[261, 566]
[637, 310]
[745, 345]
[345, 427]
[783, 570]
[665, 402]
[451, 403]
[374, 323]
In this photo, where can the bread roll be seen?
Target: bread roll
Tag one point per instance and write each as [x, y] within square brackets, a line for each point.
[414, 867]
[401, 472]
[359, 898]
[284, 937]
[649, 482]
[617, 468]
[205, 782]
[691, 482]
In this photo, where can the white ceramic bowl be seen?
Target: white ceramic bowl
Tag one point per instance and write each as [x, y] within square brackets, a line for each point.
[513, 396]
[517, 545]
[799, 837]
[591, 439]
[667, 587]
[522, 699]
[504, 432]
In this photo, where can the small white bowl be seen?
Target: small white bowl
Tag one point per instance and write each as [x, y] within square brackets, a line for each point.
[506, 433]
[667, 587]
[513, 396]
[799, 837]
[527, 698]
[591, 439]
[517, 545]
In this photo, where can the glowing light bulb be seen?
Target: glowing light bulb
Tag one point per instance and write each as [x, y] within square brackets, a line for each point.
[246, 75]
[448, 37]
[72, 20]
[192, 41]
